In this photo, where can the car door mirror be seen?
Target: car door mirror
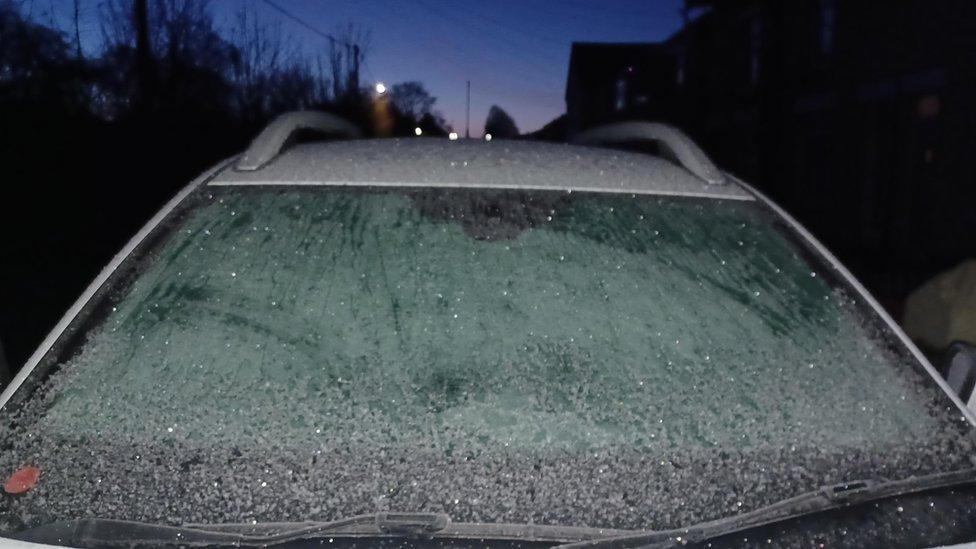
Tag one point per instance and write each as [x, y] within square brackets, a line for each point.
[958, 367]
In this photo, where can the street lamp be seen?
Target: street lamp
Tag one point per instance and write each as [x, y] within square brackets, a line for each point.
[380, 88]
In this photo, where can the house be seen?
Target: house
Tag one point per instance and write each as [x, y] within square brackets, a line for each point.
[859, 117]
[609, 82]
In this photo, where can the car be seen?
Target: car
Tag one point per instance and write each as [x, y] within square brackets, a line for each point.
[429, 342]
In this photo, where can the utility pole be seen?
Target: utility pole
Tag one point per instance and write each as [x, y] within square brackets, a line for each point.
[467, 114]
[354, 76]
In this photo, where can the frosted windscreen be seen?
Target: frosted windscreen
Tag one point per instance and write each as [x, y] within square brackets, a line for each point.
[300, 354]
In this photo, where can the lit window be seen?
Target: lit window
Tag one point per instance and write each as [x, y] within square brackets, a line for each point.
[928, 106]
[620, 101]
[828, 20]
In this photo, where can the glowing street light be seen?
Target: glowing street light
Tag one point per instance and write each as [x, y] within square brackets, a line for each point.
[487, 137]
[417, 131]
[452, 136]
[380, 88]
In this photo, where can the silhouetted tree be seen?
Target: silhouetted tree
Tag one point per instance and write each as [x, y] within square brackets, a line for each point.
[180, 59]
[37, 70]
[69, 129]
[258, 52]
[500, 124]
[347, 53]
[76, 17]
[412, 99]
[433, 124]
[145, 96]
[270, 73]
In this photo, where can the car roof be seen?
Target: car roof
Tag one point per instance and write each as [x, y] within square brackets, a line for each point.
[474, 163]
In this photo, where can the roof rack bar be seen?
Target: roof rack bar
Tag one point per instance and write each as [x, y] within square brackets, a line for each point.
[277, 135]
[672, 140]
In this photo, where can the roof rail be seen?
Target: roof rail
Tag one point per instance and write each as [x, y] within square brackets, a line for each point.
[277, 135]
[672, 140]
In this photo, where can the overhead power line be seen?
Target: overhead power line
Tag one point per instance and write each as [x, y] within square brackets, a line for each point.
[433, 47]
[301, 22]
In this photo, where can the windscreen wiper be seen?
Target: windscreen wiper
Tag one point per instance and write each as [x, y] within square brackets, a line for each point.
[826, 498]
[96, 532]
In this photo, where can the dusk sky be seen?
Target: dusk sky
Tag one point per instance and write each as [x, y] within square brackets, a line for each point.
[514, 52]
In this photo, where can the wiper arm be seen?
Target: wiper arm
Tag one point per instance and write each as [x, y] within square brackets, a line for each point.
[96, 532]
[107, 532]
[826, 498]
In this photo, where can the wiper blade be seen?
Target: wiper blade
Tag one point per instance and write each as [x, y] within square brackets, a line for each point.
[102, 532]
[826, 498]
[96, 532]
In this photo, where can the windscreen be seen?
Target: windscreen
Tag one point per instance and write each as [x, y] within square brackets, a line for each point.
[582, 359]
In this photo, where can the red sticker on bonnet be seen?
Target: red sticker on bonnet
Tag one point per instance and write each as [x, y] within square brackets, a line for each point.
[22, 480]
